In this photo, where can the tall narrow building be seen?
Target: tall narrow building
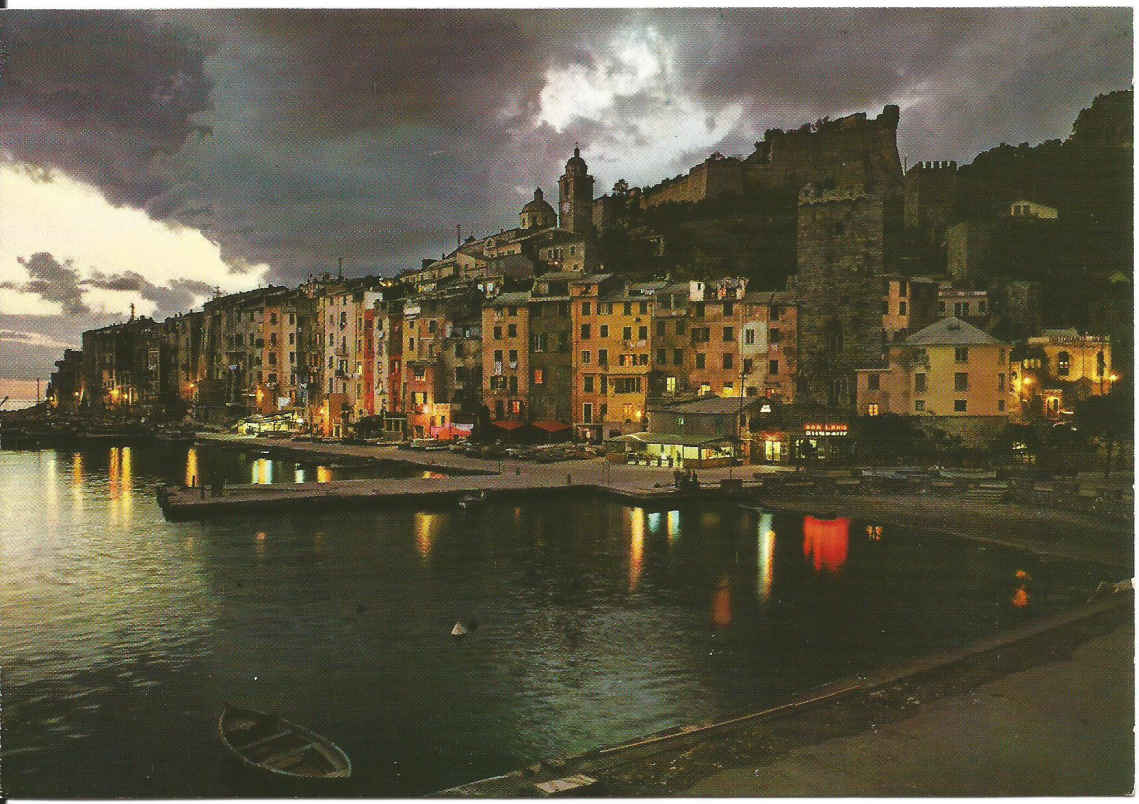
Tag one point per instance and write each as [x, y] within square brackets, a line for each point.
[575, 196]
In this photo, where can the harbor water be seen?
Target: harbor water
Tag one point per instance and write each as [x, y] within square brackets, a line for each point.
[123, 635]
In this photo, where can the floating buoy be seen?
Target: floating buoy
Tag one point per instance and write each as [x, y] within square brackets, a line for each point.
[461, 629]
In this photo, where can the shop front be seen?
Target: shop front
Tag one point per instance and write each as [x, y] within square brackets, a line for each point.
[675, 450]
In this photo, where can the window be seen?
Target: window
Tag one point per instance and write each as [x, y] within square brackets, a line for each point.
[748, 365]
[512, 310]
[587, 412]
[1063, 364]
[585, 332]
[621, 360]
[273, 339]
[585, 308]
[872, 408]
[729, 334]
[431, 325]
[512, 331]
[698, 309]
[1000, 381]
[885, 306]
[729, 309]
[961, 381]
[644, 307]
[292, 357]
[700, 360]
[941, 307]
[516, 407]
[749, 336]
[873, 383]
[960, 405]
[981, 307]
[660, 330]
[901, 308]
[628, 308]
[585, 358]
[420, 372]
[1000, 404]
[919, 405]
[961, 354]
[919, 383]
[627, 333]
[1002, 356]
[539, 342]
[411, 343]
[603, 331]
[539, 376]
[643, 333]
[773, 367]
[728, 360]
[587, 383]
[677, 357]
[680, 326]
[626, 385]
[662, 356]
[603, 357]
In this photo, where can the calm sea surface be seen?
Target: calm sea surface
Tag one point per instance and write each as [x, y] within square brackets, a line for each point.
[122, 635]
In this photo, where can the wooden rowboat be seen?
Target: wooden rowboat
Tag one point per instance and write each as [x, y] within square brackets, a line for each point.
[276, 745]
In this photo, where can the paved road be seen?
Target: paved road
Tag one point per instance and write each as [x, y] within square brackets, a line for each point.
[1056, 729]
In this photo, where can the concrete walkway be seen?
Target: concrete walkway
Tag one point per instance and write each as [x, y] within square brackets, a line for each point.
[1056, 729]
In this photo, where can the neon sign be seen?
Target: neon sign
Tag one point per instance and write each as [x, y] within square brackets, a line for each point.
[825, 429]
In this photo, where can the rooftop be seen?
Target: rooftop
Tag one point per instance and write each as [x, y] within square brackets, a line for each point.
[709, 404]
[952, 331]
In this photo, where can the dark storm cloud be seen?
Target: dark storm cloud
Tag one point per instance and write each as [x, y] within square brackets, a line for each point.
[296, 137]
[53, 281]
[100, 95]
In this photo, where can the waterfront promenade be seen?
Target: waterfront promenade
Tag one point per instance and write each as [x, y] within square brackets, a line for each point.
[1051, 531]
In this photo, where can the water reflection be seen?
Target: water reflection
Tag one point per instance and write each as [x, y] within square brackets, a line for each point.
[261, 542]
[673, 526]
[722, 602]
[77, 480]
[765, 557]
[826, 541]
[636, 545]
[323, 474]
[426, 528]
[193, 474]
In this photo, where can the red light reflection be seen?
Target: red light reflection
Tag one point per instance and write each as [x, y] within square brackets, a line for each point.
[827, 541]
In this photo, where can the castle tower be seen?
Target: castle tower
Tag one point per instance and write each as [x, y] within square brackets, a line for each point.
[575, 195]
[843, 245]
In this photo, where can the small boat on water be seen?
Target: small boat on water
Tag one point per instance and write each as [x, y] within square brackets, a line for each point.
[469, 502]
[271, 743]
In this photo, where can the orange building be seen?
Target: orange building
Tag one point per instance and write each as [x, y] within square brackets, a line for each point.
[612, 341]
[506, 356]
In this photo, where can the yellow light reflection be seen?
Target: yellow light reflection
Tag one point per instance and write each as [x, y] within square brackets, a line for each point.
[722, 602]
[261, 540]
[765, 558]
[636, 545]
[1020, 598]
[429, 475]
[672, 528]
[426, 526]
[113, 473]
[77, 480]
[192, 476]
[323, 474]
[128, 483]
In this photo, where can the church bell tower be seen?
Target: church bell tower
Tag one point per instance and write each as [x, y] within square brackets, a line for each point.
[575, 196]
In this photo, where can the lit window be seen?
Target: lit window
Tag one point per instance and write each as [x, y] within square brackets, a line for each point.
[872, 382]
[919, 404]
[539, 376]
[872, 409]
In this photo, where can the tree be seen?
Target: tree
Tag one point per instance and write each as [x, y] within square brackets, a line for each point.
[1108, 419]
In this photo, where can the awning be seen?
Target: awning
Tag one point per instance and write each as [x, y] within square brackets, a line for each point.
[508, 424]
[671, 439]
[551, 426]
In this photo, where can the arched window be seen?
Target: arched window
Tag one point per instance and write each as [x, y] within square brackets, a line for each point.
[1063, 363]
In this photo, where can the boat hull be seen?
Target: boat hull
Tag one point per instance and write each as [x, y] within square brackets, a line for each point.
[271, 743]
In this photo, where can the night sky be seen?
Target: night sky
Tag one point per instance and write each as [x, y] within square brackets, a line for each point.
[149, 157]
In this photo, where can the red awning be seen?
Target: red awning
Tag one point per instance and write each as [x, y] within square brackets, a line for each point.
[551, 426]
[508, 424]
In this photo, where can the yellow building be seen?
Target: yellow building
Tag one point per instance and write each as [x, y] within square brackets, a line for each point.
[1058, 368]
[610, 359]
[950, 371]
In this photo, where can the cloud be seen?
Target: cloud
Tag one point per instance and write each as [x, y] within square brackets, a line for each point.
[53, 282]
[10, 336]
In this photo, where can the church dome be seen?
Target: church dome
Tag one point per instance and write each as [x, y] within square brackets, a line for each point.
[538, 214]
[576, 165]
